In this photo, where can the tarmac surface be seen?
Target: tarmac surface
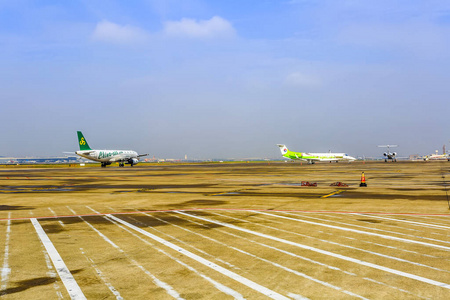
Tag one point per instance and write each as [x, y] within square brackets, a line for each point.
[224, 231]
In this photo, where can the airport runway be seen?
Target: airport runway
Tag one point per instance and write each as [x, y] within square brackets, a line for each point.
[243, 231]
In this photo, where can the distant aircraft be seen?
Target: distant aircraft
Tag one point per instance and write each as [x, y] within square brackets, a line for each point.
[311, 158]
[437, 156]
[106, 157]
[389, 155]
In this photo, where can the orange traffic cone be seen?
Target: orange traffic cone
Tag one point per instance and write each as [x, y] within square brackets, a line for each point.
[363, 180]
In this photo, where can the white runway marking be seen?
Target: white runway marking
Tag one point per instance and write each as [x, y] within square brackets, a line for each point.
[102, 277]
[5, 269]
[373, 228]
[357, 261]
[283, 267]
[378, 244]
[393, 287]
[294, 255]
[263, 290]
[359, 231]
[416, 232]
[60, 222]
[51, 273]
[195, 233]
[69, 282]
[350, 247]
[297, 297]
[155, 280]
[216, 284]
[406, 221]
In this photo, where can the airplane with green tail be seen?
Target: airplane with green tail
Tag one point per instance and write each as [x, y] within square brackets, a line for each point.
[107, 157]
[312, 158]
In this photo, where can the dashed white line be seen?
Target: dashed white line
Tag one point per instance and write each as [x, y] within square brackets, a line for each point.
[60, 222]
[69, 282]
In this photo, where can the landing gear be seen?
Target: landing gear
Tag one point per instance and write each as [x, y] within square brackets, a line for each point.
[121, 164]
[103, 165]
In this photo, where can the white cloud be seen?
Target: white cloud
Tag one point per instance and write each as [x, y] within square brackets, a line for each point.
[106, 31]
[299, 79]
[214, 27]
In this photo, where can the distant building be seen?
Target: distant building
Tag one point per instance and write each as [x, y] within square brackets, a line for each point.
[38, 160]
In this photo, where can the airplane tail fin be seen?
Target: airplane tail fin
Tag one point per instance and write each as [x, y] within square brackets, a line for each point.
[82, 142]
[283, 149]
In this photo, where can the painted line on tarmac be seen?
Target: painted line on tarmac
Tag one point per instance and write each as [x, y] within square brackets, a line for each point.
[357, 261]
[332, 194]
[417, 234]
[300, 274]
[303, 235]
[51, 273]
[223, 209]
[372, 228]
[155, 280]
[406, 221]
[60, 222]
[217, 285]
[253, 285]
[361, 232]
[342, 245]
[102, 277]
[339, 218]
[69, 282]
[5, 269]
[191, 232]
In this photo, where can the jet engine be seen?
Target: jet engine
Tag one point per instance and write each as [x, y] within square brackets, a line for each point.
[385, 154]
[133, 161]
[394, 153]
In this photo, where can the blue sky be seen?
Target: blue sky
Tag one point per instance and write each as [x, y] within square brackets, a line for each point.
[227, 79]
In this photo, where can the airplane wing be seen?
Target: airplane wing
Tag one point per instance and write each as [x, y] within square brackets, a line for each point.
[85, 152]
[139, 155]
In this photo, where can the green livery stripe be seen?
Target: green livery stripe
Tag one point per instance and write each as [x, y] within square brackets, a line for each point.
[293, 155]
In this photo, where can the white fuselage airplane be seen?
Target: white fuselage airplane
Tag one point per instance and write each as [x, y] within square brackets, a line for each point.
[106, 157]
[311, 158]
[389, 155]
